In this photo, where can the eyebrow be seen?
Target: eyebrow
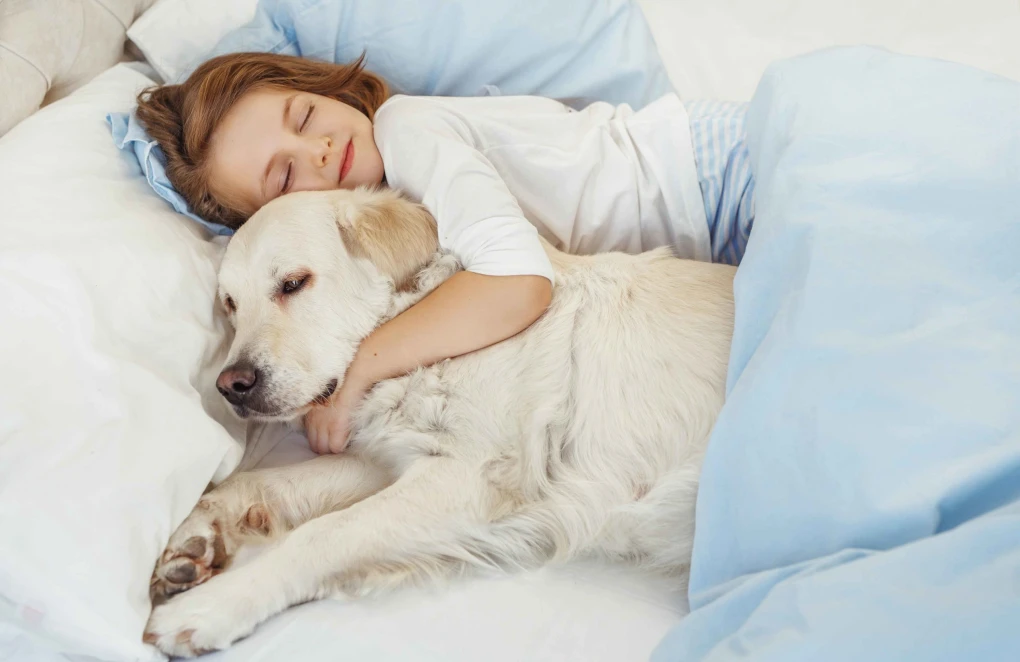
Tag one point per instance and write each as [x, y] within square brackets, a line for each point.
[269, 166]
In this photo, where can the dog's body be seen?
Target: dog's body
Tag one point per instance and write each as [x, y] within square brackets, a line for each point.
[584, 434]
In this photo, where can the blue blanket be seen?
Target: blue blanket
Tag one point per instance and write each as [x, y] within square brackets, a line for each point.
[859, 499]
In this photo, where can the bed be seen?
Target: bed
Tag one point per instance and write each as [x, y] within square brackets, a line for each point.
[110, 428]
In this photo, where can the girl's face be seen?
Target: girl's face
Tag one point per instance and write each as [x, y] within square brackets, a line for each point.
[276, 141]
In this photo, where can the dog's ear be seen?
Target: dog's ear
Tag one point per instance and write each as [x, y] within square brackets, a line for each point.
[395, 234]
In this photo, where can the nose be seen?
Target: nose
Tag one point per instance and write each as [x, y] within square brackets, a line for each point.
[323, 152]
[236, 382]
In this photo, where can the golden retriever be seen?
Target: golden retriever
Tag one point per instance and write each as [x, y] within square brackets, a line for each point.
[583, 434]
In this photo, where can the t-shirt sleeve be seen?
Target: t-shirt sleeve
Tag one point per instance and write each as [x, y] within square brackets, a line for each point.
[431, 153]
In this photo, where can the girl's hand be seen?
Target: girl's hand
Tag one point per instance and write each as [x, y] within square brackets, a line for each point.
[328, 426]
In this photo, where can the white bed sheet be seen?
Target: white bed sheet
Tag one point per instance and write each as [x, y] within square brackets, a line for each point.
[719, 49]
[588, 612]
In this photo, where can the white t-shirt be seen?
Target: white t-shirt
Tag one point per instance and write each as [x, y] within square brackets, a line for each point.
[497, 171]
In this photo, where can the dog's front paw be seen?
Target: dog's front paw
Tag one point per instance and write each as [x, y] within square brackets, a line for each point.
[207, 618]
[196, 551]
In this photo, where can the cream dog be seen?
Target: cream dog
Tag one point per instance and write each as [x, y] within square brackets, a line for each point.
[583, 434]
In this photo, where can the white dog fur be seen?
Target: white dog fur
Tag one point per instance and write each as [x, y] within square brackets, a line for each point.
[582, 435]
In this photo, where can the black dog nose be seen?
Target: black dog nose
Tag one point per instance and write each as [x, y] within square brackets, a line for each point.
[237, 381]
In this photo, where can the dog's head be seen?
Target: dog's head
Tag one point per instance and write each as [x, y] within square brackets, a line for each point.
[306, 279]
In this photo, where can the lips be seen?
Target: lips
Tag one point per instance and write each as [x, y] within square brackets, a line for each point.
[345, 165]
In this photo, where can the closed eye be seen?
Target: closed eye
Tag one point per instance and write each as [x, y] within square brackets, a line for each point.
[287, 178]
[308, 116]
[229, 304]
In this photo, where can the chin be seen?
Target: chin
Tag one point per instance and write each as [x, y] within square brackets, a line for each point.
[259, 416]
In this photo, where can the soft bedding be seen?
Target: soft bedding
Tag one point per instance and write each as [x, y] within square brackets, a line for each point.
[575, 50]
[719, 49]
[49, 48]
[859, 498]
[110, 428]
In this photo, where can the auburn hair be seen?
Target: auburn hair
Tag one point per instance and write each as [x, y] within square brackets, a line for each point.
[181, 118]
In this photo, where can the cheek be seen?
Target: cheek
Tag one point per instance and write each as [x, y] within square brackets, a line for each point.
[303, 338]
[292, 345]
[372, 165]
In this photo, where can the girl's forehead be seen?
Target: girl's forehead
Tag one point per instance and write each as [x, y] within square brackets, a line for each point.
[239, 150]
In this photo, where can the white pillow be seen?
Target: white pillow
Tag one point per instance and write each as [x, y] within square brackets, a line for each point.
[173, 32]
[109, 343]
[719, 49]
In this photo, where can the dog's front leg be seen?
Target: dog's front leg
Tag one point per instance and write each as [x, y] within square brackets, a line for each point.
[258, 503]
[427, 504]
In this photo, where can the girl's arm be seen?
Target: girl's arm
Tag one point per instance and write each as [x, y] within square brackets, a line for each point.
[430, 152]
[466, 313]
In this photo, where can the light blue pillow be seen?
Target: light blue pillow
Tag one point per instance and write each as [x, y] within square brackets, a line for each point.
[130, 136]
[577, 51]
[860, 498]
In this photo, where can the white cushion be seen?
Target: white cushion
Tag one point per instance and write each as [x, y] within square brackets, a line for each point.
[49, 48]
[108, 413]
[173, 32]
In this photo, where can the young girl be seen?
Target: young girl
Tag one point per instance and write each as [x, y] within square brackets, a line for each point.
[494, 171]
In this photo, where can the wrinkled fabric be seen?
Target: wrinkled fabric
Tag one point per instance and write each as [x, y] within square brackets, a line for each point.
[859, 494]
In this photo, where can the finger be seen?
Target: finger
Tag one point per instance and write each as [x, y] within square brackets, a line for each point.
[312, 430]
[321, 437]
[317, 440]
[337, 439]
